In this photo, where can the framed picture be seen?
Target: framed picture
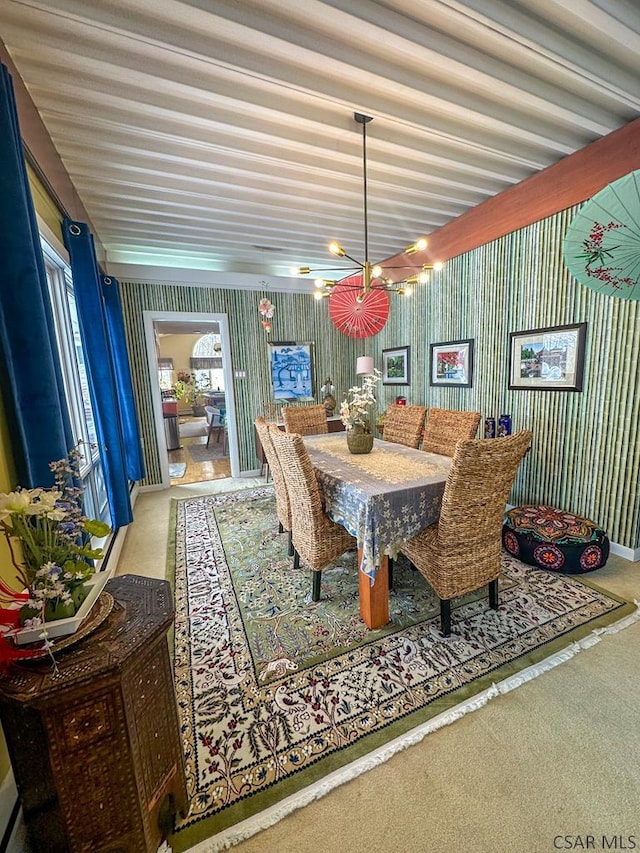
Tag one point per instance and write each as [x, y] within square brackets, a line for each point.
[452, 364]
[549, 359]
[395, 366]
[292, 373]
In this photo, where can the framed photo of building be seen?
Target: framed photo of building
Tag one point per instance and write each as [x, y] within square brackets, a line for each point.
[292, 374]
[452, 364]
[550, 359]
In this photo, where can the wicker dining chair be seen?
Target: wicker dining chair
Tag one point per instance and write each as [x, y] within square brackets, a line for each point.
[305, 420]
[283, 508]
[461, 552]
[404, 424]
[317, 540]
[446, 427]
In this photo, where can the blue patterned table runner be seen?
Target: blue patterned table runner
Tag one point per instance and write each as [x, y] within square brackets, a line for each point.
[382, 498]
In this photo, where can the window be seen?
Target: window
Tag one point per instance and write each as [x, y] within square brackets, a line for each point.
[165, 373]
[75, 381]
[207, 362]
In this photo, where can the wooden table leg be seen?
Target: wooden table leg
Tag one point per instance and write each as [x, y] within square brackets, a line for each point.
[374, 600]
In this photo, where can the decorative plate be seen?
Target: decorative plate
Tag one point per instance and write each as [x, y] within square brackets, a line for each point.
[99, 612]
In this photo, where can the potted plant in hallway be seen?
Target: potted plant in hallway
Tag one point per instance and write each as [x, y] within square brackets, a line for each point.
[191, 390]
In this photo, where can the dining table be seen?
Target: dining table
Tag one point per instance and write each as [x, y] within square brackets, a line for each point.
[383, 498]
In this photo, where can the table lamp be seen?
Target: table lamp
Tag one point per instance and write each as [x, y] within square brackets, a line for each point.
[364, 365]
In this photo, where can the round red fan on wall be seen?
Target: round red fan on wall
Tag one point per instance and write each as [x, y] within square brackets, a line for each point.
[355, 314]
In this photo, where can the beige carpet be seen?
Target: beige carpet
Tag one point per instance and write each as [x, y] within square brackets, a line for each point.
[557, 756]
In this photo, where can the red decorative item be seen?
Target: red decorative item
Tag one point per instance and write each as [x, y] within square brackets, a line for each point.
[358, 319]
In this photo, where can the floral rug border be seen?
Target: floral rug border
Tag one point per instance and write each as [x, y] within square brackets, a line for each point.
[266, 805]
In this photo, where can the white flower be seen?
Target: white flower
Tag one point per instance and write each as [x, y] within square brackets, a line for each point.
[266, 308]
[356, 409]
[14, 502]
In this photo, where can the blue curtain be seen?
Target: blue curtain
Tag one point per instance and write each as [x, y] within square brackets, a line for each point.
[110, 406]
[32, 386]
[115, 326]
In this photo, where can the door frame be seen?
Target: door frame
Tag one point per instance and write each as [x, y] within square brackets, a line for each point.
[150, 318]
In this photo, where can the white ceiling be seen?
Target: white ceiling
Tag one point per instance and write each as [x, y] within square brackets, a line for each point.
[219, 134]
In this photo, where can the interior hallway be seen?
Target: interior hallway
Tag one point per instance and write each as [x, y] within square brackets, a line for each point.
[557, 756]
[194, 431]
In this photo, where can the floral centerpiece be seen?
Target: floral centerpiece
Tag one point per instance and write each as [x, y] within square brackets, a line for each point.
[54, 534]
[356, 413]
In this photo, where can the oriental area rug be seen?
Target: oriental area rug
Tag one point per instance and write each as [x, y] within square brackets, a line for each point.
[281, 698]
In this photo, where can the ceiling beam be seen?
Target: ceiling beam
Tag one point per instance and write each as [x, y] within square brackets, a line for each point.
[570, 181]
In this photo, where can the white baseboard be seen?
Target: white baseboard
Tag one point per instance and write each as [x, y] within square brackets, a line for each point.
[632, 554]
[157, 487]
[154, 487]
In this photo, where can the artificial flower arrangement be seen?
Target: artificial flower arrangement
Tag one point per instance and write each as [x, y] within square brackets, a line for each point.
[266, 310]
[356, 410]
[54, 535]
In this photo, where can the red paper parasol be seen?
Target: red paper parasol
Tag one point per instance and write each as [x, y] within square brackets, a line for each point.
[358, 319]
[602, 245]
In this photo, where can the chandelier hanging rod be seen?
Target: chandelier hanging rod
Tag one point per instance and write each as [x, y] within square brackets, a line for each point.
[373, 276]
[364, 121]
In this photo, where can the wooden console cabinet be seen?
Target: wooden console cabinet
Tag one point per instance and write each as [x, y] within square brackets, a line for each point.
[96, 748]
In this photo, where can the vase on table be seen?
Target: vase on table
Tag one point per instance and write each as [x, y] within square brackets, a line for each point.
[359, 440]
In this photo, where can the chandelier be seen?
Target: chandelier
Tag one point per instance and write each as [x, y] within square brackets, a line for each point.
[365, 280]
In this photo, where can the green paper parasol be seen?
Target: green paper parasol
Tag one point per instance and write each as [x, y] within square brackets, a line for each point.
[602, 245]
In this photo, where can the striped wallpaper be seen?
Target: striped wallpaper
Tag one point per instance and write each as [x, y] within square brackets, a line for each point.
[585, 455]
[586, 446]
[298, 318]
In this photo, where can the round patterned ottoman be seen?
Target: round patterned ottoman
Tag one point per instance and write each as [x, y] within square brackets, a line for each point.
[553, 539]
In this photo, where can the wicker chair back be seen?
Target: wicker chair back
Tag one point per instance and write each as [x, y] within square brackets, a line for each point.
[316, 538]
[461, 552]
[283, 508]
[305, 420]
[446, 427]
[404, 424]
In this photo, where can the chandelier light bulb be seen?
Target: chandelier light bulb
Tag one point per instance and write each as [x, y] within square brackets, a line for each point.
[408, 290]
[376, 271]
[318, 282]
[438, 265]
[418, 246]
[318, 295]
[336, 249]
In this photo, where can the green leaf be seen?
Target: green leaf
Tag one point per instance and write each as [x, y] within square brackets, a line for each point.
[94, 527]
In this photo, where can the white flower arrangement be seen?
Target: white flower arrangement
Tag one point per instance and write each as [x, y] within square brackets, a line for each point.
[356, 409]
[54, 535]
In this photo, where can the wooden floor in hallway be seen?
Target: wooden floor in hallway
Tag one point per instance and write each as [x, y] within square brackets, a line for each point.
[193, 431]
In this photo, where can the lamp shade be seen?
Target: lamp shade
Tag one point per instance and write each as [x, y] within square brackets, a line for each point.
[364, 364]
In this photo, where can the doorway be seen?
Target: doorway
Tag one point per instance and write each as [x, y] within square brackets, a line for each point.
[187, 448]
